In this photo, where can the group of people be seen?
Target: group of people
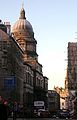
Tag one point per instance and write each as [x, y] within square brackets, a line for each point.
[5, 109]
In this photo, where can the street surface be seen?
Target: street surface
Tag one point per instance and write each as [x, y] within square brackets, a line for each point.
[39, 119]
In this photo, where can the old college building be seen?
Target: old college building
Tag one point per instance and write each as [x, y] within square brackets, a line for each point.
[21, 75]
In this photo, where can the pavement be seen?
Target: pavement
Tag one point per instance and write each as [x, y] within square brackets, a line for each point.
[27, 119]
[34, 119]
[39, 119]
[19, 119]
[30, 118]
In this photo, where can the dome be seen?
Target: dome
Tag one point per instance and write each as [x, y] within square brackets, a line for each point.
[22, 24]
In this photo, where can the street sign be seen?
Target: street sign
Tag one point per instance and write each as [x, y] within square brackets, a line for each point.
[38, 103]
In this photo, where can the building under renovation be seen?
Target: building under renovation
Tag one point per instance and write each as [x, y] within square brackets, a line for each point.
[72, 66]
[71, 79]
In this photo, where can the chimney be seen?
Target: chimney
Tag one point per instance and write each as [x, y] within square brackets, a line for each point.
[8, 27]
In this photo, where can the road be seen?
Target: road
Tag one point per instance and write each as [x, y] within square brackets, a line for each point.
[38, 119]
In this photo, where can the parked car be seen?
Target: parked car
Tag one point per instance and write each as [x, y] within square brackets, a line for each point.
[64, 115]
[43, 113]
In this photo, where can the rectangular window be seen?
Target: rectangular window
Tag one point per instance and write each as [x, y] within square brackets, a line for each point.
[0, 63]
[9, 82]
[4, 62]
[0, 45]
[62, 103]
[4, 45]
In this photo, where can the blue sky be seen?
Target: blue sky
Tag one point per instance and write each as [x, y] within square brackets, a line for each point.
[55, 24]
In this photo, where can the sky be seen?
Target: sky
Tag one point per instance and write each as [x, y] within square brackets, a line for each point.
[54, 24]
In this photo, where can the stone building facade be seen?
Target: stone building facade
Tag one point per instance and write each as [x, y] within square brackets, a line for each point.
[71, 78]
[53, 102]
[64, 95]
[72, 66]
[21, 76]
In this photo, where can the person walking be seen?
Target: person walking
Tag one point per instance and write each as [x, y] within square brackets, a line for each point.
[3, 110]
[15, 110]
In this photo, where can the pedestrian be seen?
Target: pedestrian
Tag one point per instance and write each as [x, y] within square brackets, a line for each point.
[3, 110]
[15, 110]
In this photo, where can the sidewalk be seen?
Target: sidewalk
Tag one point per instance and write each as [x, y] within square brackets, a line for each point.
[17, 119]
[20, 118]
